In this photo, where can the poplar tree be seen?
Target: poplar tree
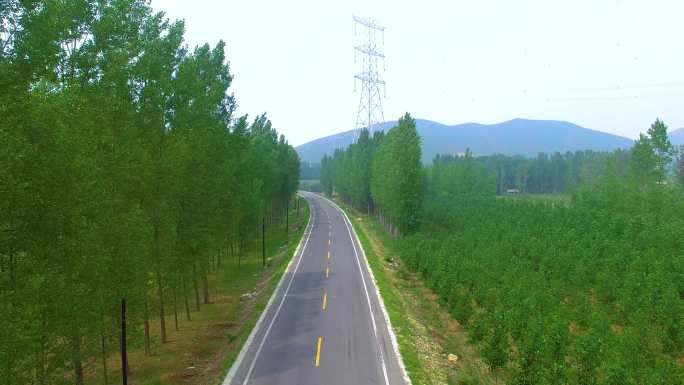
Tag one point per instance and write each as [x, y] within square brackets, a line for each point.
[123, 174]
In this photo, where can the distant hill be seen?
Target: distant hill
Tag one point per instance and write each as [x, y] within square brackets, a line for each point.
[677, 137]
[514, 137]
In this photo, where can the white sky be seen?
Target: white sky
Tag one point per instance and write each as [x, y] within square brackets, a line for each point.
[610, 65]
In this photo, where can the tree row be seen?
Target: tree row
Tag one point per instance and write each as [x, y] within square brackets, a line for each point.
[380, 174]
[123, 174]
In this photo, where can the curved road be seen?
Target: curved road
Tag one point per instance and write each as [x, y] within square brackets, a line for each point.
[324, 324]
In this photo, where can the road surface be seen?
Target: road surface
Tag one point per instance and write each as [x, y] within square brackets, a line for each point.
[324, 324]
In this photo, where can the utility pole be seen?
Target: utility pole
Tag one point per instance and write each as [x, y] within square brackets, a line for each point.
[369, 113]
[124, 355]
[287, 217]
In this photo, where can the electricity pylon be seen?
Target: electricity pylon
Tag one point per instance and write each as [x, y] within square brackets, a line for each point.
[370, 104]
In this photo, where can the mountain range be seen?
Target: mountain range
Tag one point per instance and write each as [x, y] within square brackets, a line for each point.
[677, 137]
[513, 137]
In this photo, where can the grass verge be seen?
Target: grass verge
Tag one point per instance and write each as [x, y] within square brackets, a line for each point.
[203, 348]
[433, 345]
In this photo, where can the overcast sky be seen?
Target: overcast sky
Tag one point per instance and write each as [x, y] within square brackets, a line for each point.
[609, 65]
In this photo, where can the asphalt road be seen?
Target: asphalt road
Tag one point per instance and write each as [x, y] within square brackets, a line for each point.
[324, 324]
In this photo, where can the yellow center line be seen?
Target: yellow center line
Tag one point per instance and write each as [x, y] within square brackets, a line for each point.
[318, 352]
[325, 300]
[327, 272]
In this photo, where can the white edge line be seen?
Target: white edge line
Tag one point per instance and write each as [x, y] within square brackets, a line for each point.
[390, 330]
[241, 356]
[365, 289]
[370, 307]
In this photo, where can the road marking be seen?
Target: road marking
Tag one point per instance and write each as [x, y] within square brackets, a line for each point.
[329, 241]
[363, 280]
[328, 254]
[327, 272]
[318, 352]
[325, 300]
[282, 301]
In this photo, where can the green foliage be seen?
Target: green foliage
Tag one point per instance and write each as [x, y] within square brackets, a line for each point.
[396, 186]
[450, 176]
[495, 348]
[546, 173]
[652, 155]
[587, 292]
[380, 174]
[679, 167]
[122, 174]
[349, 171]
[643, 165]
[566, 277]
[662, 147]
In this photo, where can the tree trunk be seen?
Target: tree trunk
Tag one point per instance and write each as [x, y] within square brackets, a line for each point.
[175, 306]
[219, 257]
[205, 287]
[103, 345]
[76, 358]
[42, 362]
[160, 285]
[146, 339]
[239, 252]
[162, 320]
[194, 284]
[185, 298]
[123, 346]
[11, 270]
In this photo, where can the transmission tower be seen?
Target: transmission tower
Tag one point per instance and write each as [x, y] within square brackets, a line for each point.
[370, 104]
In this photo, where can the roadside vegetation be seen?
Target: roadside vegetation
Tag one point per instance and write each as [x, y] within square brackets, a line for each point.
[434, 346]
[123, 174]
[204, 347]
[586, 290]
